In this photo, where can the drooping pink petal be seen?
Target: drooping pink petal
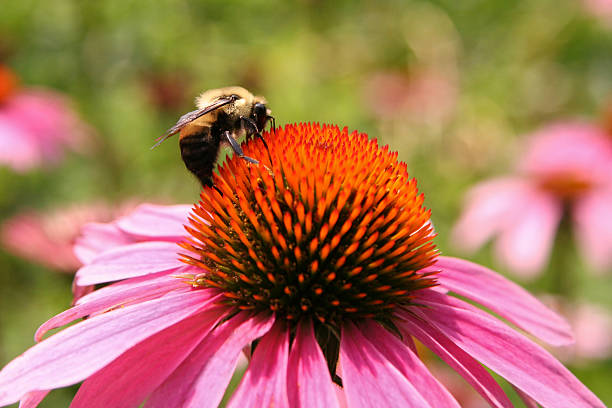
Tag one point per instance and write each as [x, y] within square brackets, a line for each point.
[155, 222]
[113, 296]
[593, 219]
[459, 360]
[132, 376]
[524, 244]
[504, 297]
[80, 350]
[408, 364]
[488, 209]
[96, 238]
[505, 351]
[130, 261]
[265, 382]
[369, 379]
[309, 383]
[200, 381]
[152, 281]
[32, 399]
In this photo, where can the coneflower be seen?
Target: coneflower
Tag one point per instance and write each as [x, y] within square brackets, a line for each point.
[320, 265]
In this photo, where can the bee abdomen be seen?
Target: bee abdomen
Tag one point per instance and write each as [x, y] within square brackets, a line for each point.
[199, 151]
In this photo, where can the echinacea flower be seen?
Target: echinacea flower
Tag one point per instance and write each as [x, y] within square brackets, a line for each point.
[36, 125]
[318, 263]
[566, 169]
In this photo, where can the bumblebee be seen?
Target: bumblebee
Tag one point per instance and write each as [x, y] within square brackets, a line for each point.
[222, 115]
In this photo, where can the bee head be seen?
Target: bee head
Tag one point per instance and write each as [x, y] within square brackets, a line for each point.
[260, 115]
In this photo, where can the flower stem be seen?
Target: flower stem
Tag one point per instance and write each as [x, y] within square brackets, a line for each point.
[562, 280]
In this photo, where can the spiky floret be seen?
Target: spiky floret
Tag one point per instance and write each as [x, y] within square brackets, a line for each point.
[331, 228]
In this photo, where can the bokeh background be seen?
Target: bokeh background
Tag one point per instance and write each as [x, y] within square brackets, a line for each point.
[454, 86]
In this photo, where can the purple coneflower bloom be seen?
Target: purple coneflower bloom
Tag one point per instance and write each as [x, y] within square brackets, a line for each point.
[320, 266]
[566, 169]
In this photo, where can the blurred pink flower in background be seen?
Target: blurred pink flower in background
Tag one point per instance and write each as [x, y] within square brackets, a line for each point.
[172, 321]
[599, 8]
[592, 325]
[36, 125]
[423, 95]
[48, 237]
[565, 170]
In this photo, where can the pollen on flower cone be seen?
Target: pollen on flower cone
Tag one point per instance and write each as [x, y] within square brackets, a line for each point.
[332, 227]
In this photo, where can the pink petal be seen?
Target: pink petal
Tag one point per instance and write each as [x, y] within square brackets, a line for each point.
[525, 243]
[128, 380]
[309, 383]
[96, 238]
[341, 396]
[487, 210]
[80, 291]
[150, 221]
[408, 364]
[455, 357]
[129, 261]
[200, 381]
[504, 297]
[113, 296]
[32, 399]
[264, 383]
[593, 219]
[522, 362]
[80, 350]
[369, 379]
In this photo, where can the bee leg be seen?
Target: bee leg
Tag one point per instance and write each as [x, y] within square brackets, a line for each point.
[237, 149]
[250, 127]
[273, 121]
[265, 145]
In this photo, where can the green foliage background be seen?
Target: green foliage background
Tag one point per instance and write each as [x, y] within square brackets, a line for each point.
[515, 65]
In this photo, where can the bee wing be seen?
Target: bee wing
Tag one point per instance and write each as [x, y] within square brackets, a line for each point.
[191, 116]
